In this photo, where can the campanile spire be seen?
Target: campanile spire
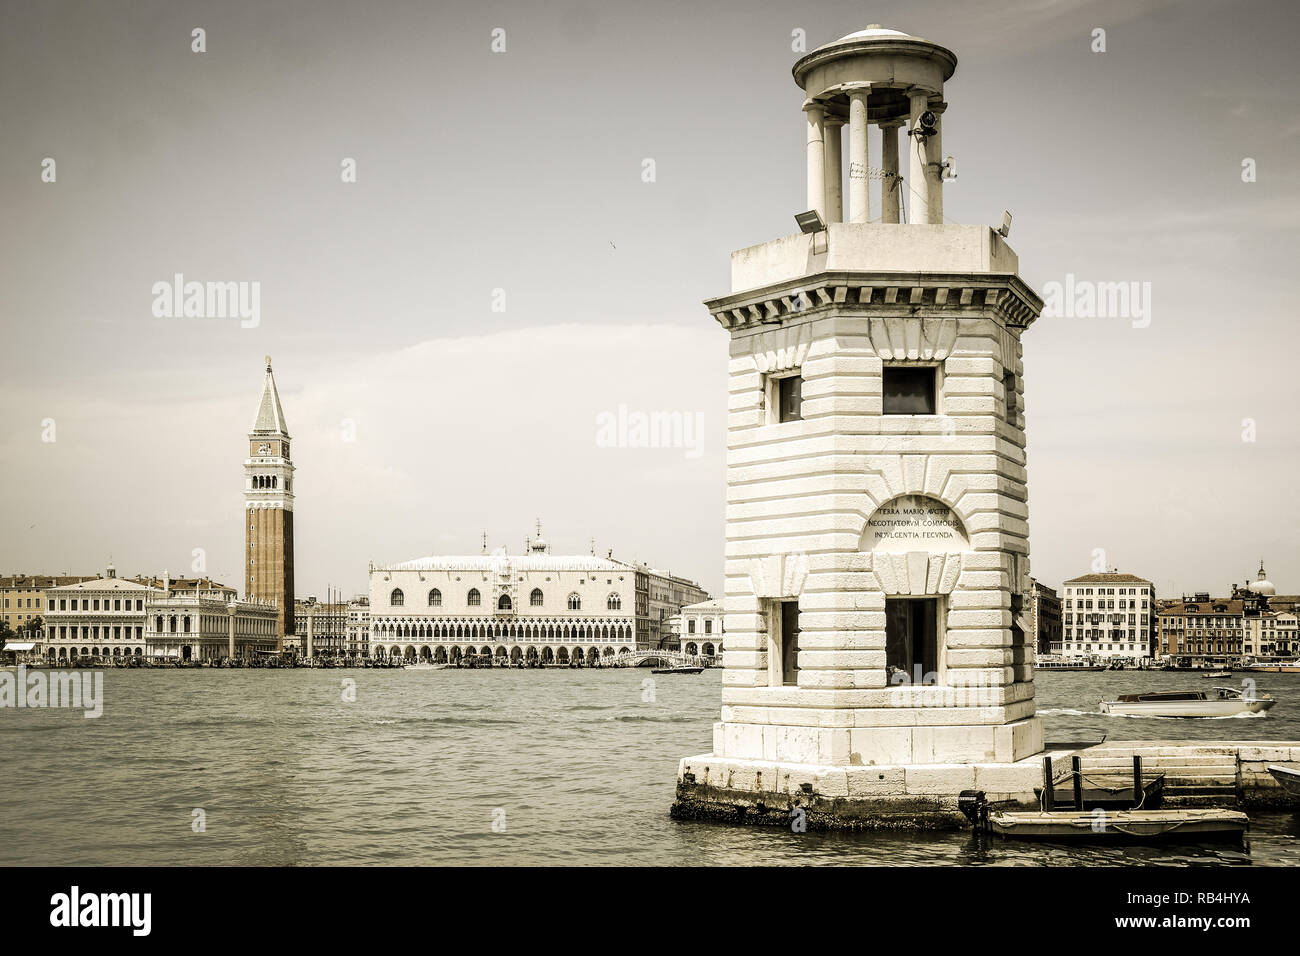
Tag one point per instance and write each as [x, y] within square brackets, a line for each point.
[268, 508]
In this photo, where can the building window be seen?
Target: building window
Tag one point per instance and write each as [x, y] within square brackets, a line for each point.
[435, 598]
[473, 599]
[909, 389]
[503, 603]
[536, 599]
[614, 602]
[788, 392]
[911, 639]
[575, 602]
[783, 644]
[708, 627]
[690, 626]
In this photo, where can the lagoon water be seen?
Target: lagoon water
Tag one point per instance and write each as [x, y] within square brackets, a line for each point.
[472, 767]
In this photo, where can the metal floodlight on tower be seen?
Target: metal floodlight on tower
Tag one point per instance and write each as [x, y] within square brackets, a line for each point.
[810, 221]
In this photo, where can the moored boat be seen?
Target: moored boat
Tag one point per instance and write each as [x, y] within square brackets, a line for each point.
[1098, 824]
[1288, 777]
[683, 669]
[1223, 702]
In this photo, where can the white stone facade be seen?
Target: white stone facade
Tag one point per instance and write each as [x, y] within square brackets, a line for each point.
[877, 560]
[534, 607]
[701, 629]
[101, 618]
[209, 626]
[1108, 616]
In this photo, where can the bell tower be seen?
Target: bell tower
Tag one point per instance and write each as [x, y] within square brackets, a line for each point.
[877, 558]
[268, 509]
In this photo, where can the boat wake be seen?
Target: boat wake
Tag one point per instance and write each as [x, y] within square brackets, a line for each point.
[1244, 715]
[1071, 712]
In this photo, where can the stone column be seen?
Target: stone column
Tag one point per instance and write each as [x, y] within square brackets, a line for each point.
[311, 619]
[816, 158]
[891, 189]
[859, 158]
[934, 155]
[918, 183]
[834, 170]
[230, 615]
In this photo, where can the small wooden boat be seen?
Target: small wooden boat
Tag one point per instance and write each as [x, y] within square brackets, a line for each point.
[1215, 674]
[1099, 824]
[1224, 702]
[1288, 777]
[683, 669]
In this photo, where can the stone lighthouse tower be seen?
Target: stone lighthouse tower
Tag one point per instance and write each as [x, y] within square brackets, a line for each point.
[877, 559]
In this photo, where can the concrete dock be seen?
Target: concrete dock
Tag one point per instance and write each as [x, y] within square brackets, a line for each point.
[1229, 774]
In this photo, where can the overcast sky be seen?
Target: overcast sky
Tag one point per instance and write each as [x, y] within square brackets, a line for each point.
[522, 171]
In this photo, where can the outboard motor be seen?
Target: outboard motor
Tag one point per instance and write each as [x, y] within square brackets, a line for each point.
[974, 807]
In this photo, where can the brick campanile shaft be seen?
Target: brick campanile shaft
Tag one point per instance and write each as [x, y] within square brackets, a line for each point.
[268, 509]
[877, 562]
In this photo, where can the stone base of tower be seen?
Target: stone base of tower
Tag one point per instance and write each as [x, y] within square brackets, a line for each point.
[1005, 762]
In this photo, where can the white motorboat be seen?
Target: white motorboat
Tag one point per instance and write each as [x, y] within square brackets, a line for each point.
[1220, 702]
[1276, 667]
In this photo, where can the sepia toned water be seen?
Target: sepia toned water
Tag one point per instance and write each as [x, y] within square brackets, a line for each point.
[574, 767]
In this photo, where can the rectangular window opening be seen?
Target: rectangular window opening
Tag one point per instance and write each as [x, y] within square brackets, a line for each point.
[786, 634]
[789, 398]
[1009, 390]
[909, 389]
[912, 640]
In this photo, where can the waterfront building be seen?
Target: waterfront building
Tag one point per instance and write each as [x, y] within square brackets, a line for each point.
[1203, 629]
[1045, 618]
[268, 510]
[666, 595]
[1109, 615]
[701, 628]
[321, 627]
[1255, 622]
[358, 627]
[194, 622]
[22, 597]
[97, 618]
[537, 606]
[877, 557]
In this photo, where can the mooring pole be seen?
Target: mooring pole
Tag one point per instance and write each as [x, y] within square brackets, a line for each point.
[1078, 783]
[1049, 788]
[1138, 796]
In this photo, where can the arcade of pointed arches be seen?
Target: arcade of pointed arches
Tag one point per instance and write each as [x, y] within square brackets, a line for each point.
[541, 641]
[514, 653]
